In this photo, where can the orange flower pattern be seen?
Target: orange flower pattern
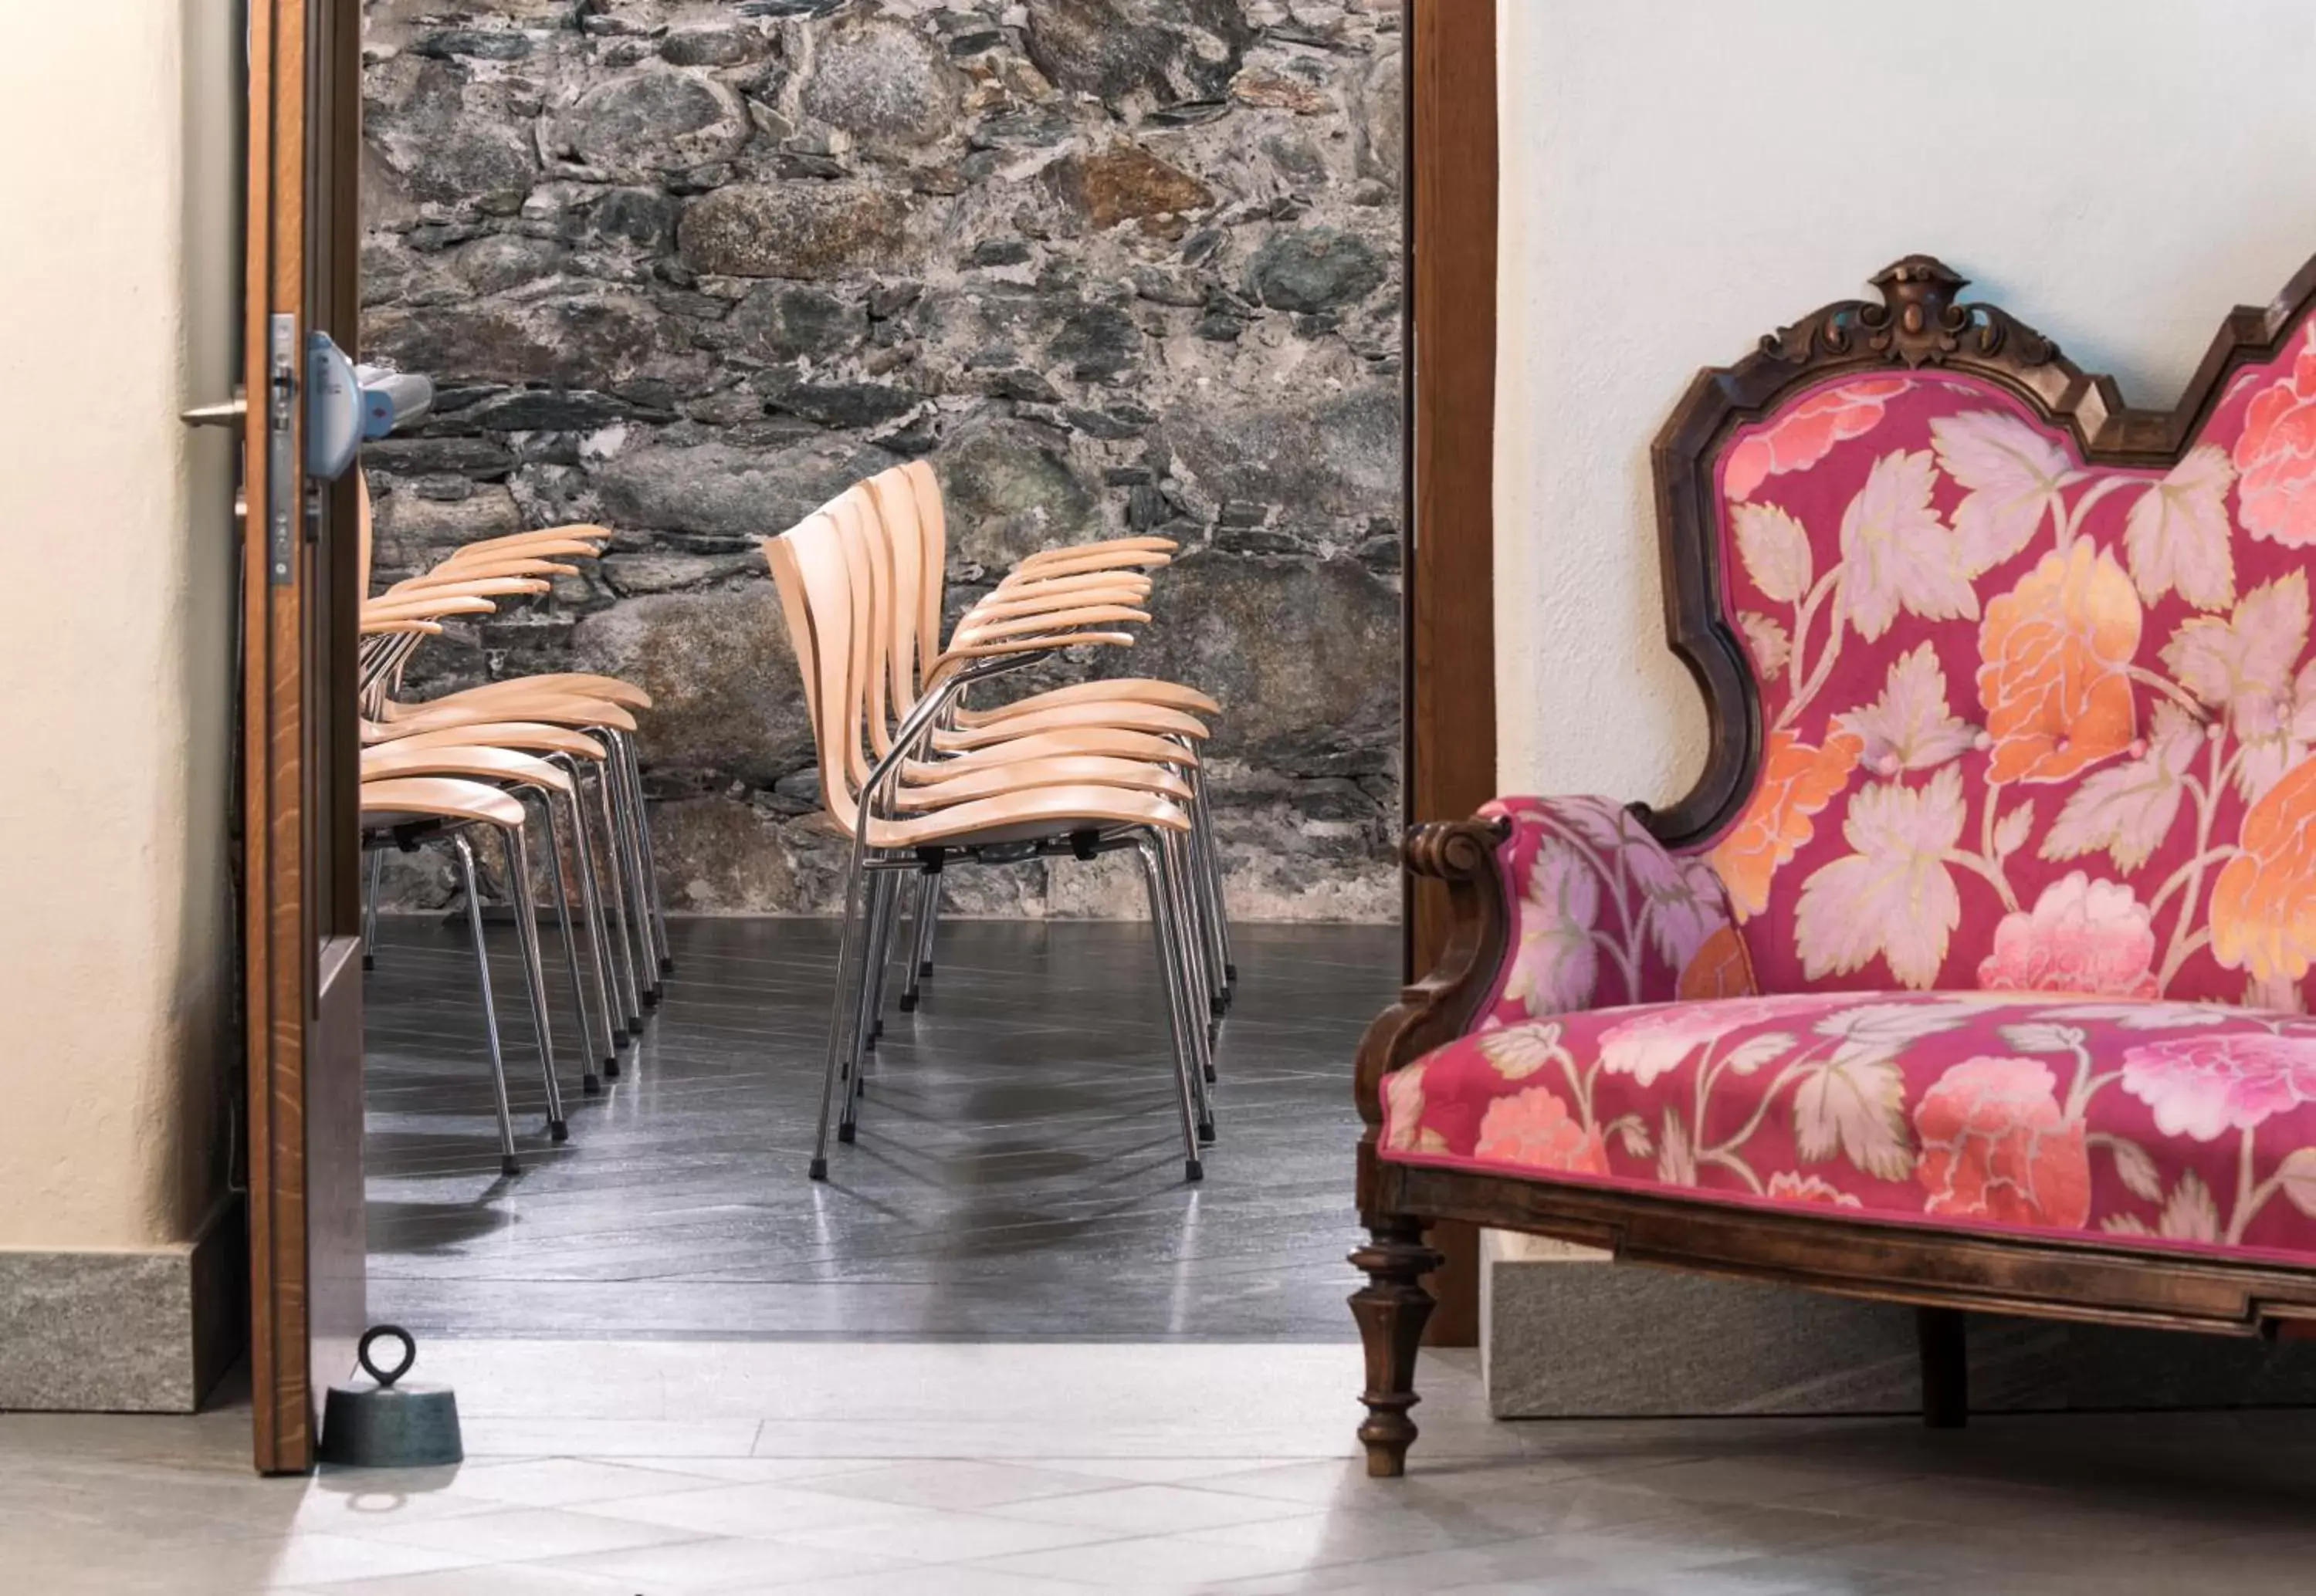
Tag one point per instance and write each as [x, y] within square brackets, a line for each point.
[1720, 969]
[2263, 903]
[2057, 648]
[1797, 782]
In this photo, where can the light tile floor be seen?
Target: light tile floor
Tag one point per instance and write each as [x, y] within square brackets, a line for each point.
[666, 1468]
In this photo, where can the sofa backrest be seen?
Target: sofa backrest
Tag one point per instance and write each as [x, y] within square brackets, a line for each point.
[2029, 699]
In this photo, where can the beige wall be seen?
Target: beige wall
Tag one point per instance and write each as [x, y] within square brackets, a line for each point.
[117, 309]
[1682, 176]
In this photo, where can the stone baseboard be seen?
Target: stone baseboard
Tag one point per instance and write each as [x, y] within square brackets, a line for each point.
[1564, 1333]
[145, 1331]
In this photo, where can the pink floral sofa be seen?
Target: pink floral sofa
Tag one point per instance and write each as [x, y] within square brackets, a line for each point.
[1976, 972]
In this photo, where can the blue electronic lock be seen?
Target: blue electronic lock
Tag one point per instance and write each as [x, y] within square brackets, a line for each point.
[347, 404]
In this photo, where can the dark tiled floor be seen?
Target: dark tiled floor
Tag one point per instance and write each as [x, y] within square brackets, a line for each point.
[1019, 1172]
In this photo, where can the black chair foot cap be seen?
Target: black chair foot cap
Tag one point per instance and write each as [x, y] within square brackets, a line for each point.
[667, 967]
[1210, 1075]
[369, 962]
[925, 971]
[1219, 1005]
[611, 1069]
[651, 996]
[510, 1165]
[619, 1037]
[845, 1134]
[558, 1130]
[908, 1002]
[1193, 1171]
[591, 1084]
[1207, 1131]
[1230, 974]
[820, 1169]
[635, 1031]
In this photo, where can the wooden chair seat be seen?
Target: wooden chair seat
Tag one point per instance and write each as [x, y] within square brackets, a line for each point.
[386, 760]
[394, 801]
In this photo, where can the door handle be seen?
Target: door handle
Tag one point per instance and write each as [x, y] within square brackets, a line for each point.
[229, 413]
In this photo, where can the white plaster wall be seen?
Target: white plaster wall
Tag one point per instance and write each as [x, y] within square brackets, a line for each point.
[1681, 176]
[117, 289]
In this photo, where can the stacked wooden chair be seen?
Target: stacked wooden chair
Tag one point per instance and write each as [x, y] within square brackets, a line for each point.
[475, 762]
[923, 781]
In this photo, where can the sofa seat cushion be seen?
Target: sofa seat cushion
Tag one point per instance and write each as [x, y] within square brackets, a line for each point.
[2132, 1123]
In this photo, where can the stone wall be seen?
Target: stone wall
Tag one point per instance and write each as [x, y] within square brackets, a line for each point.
[686, 268]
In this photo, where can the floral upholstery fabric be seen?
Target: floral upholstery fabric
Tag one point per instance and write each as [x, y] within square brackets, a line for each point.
[1602, 914]
[2030, 727]
[2028, 723]
[2150, 1123]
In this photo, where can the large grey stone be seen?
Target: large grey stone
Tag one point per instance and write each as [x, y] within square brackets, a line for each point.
[884, 84]
[797, 230]
[1303, 654]
[653, 122]
[777, 321]
[1009, 494]
[1164, 49]
[445, 143]
[719, 487]
[412, 530]
[727, 700]
[1338, 456]
[1313, 268]
[595, 340]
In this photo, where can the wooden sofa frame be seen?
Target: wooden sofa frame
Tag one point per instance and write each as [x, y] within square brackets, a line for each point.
[1917, 322]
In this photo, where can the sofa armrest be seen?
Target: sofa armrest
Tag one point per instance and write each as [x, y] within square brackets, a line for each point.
[1559, 904]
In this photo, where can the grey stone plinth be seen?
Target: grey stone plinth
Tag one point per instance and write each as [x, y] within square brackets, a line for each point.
[1565, 1334]
[145, 1331]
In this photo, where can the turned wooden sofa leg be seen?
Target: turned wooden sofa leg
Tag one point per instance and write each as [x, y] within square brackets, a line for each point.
[1946, 1367]
[1391, 1309]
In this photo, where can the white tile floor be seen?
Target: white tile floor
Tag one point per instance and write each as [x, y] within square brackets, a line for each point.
[666, 1468]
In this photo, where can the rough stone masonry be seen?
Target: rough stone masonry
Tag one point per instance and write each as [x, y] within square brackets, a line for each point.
[688, 267]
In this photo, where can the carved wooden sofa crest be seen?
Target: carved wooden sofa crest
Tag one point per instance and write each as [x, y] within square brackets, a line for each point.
[1975, 971]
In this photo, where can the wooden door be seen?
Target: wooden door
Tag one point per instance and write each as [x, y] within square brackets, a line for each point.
[300, 842]
[1448, 574]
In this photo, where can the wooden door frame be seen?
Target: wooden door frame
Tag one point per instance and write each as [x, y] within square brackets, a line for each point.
[302, 984]
[1448, 761]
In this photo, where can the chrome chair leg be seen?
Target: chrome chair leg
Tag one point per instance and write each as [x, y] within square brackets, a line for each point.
[842, 1007]
[623, 947]
[590, 1082]
[888, 917]
[1174, 853]
[590, 903]
[508, 1163]
[526, 929]
[377, 871]
[1209, 883]
[646, 868]
[1161, 923]
[924, 920]
[877, 954]
[631, 866]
